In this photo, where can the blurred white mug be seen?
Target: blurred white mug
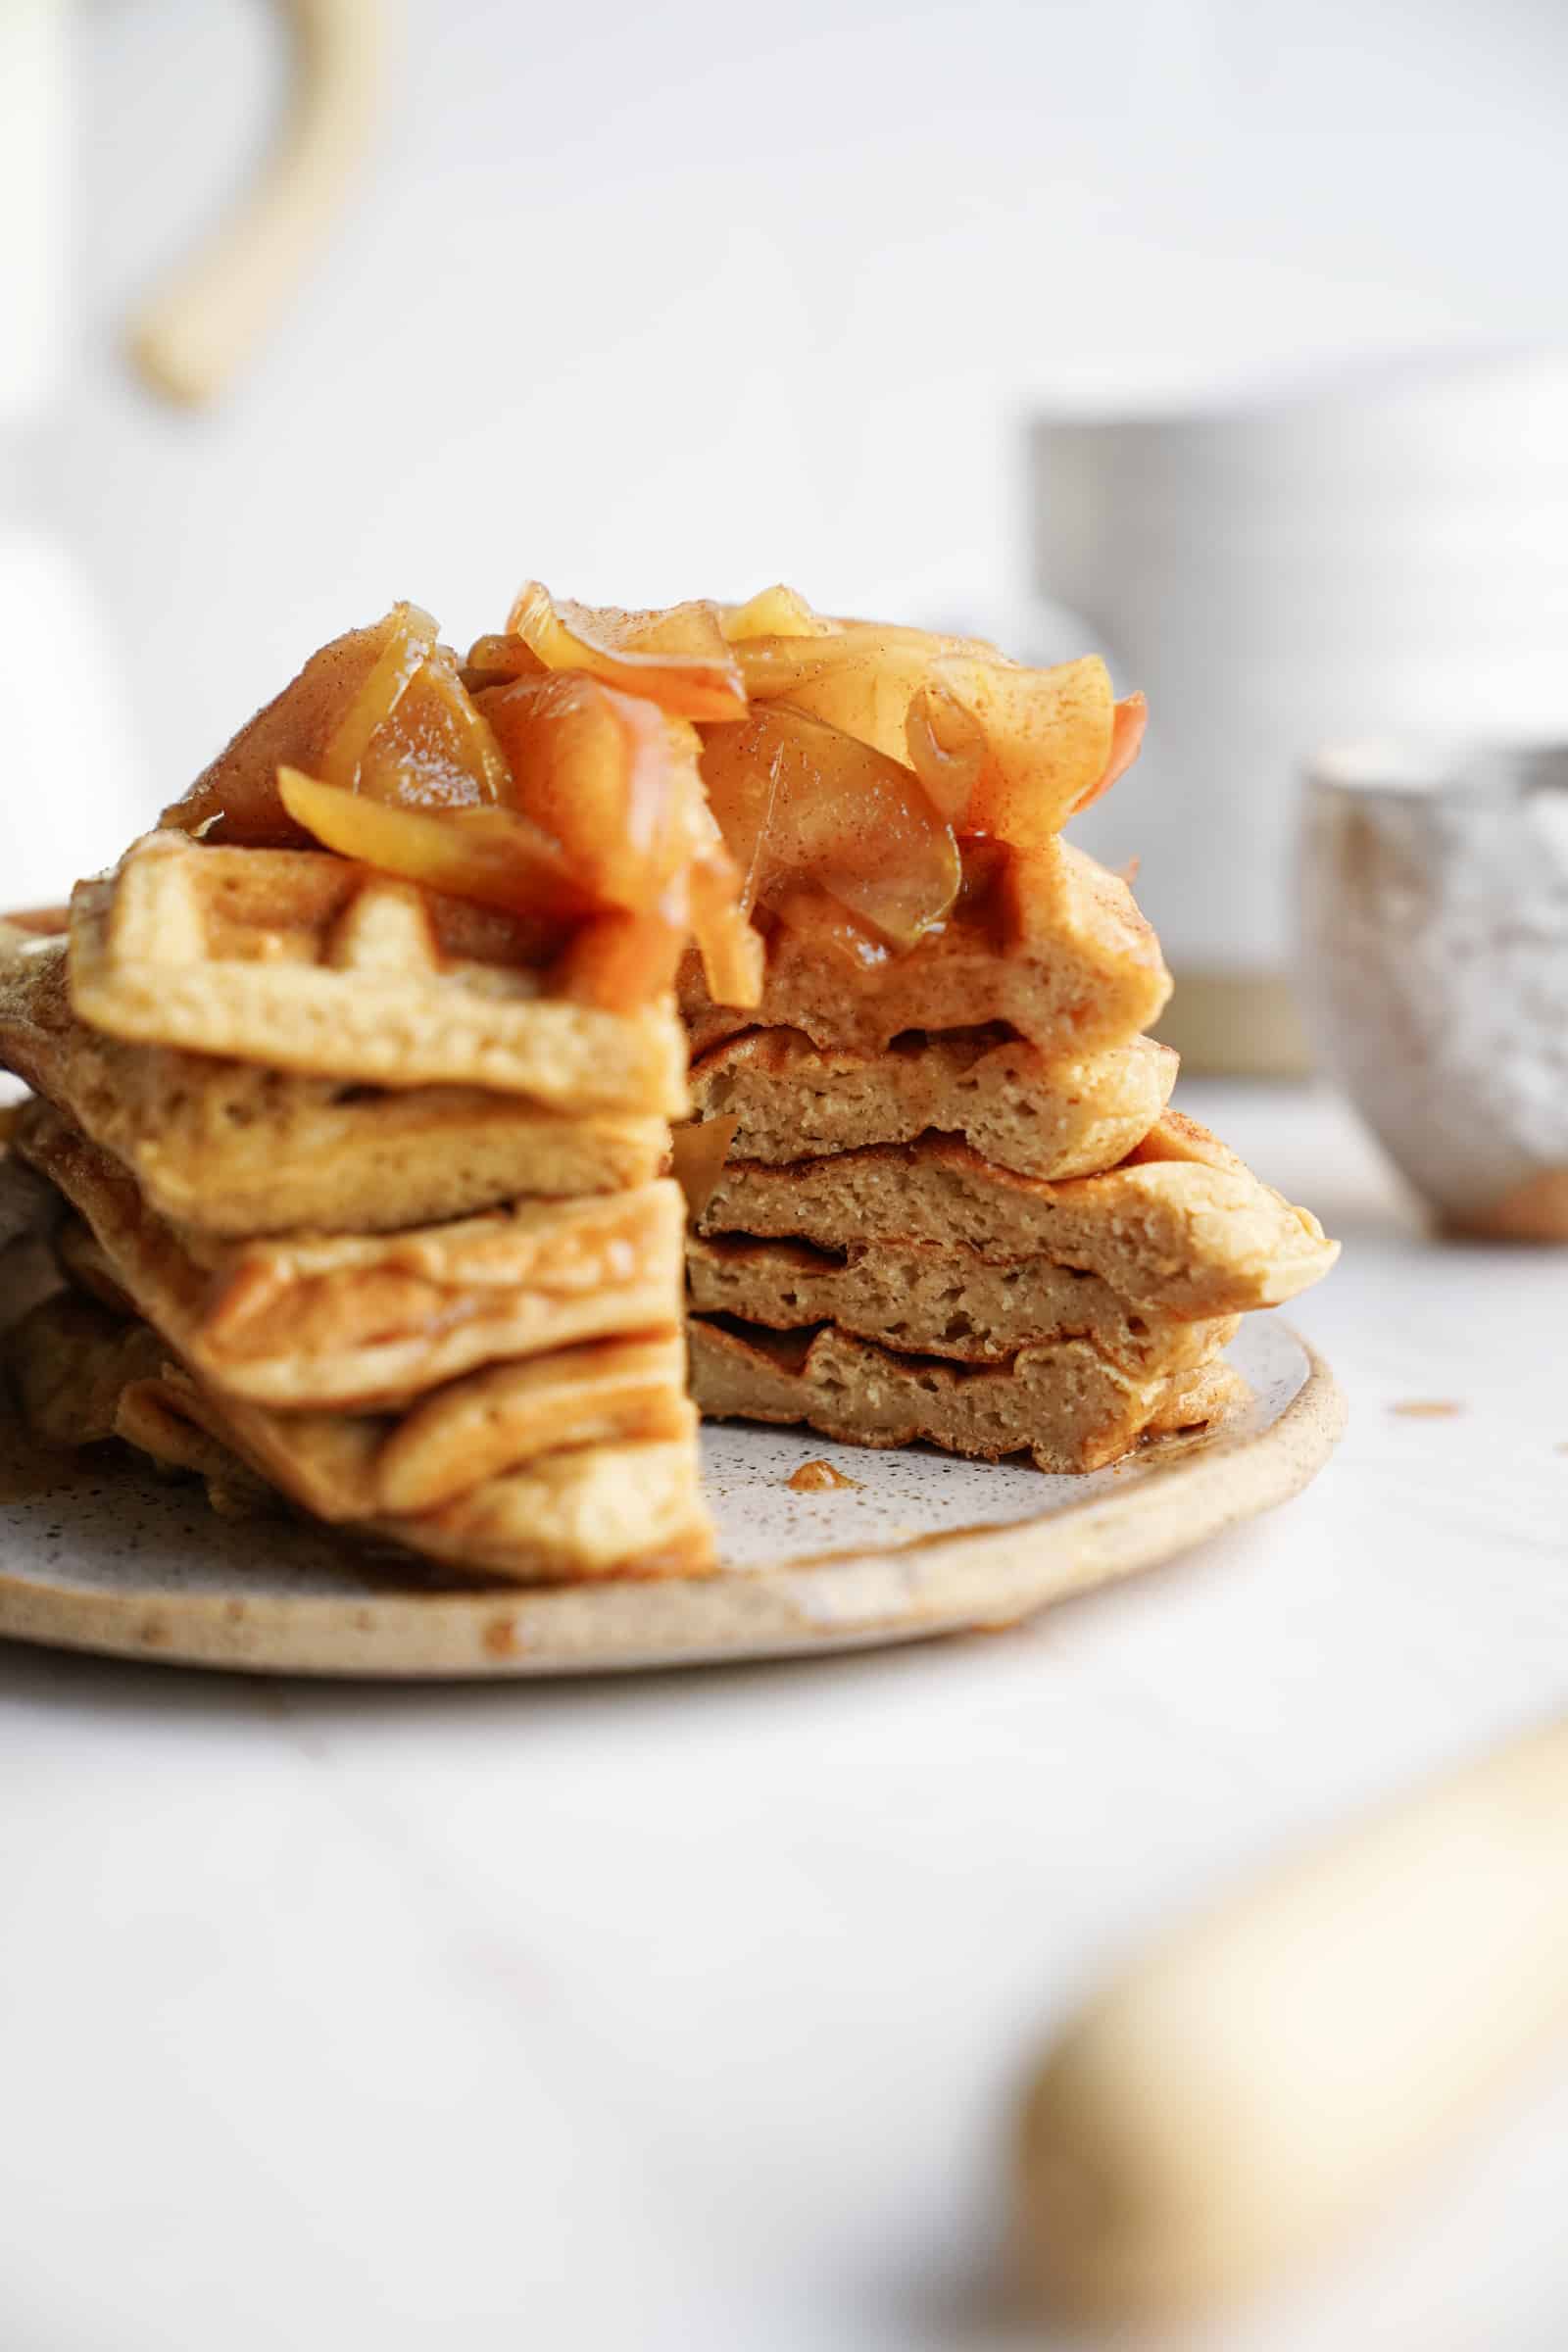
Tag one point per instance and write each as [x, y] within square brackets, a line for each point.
[1387, 553]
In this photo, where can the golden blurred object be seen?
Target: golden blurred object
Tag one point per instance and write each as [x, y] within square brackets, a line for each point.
[1270, 2073]
[193, 336]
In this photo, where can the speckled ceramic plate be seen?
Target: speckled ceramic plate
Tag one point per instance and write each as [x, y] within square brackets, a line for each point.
[921, 1544]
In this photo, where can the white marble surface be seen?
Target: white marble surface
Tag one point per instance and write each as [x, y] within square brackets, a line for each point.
[685, 2012]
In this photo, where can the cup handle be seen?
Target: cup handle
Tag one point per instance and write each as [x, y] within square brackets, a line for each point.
[195, 333]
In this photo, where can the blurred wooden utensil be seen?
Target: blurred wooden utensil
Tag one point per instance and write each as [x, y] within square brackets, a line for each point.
[1272, 2071]
[197, 331]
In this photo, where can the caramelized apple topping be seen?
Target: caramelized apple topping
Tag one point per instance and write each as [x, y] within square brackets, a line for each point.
[732, 949]
[622, 783]
[496, 661]
[776, 612]
[698, 1151]
[830, 929]
[802, 802]
[856, 684]
[679, 657]
[437, 751]
[495, 855]
[381, 711]
[1012, 752]
[236, 800]
[862, 677]
[619, 961]
[598, 771]
[1126, 742]
[410, 641]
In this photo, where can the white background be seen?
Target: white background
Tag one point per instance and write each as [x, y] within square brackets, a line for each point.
[673, 300]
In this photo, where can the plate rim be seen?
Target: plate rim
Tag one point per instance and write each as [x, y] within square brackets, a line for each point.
[963, 1580]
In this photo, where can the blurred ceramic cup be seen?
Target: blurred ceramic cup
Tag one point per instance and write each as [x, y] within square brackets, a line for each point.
[1433, 965]
[1387, 553]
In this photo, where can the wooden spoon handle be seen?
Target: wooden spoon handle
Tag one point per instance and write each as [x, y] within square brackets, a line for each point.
[1272, 2070]
[197, 331]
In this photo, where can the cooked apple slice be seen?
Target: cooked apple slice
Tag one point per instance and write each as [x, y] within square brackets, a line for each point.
[410, 641]
[1126, 742]
[862, 678]
[496, 661]
[860, 684]
[946, 747]
[436, 750]
[698, 1150]
[603, 774]
[934, 641]
[831, 929]
[494, 855]
[734, 960]
[776, 612]
[235, 799]
[676, 658]
[800, 802]
[1012, 752]
[619, 962]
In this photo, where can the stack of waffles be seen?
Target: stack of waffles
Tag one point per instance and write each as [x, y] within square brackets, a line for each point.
[353, 1087]
[946, 1199]
[361, 1200]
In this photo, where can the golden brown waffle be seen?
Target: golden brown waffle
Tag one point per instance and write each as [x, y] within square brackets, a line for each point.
[28, 1207]
[931, 1301]
[631, 1509]
[998, 1094]
[304, 961]
[599, 1446]
[1182, 1227]
[354, 1466]
[232, 1148]
[1056, 950]
[604, 1510]
[152, 1416]
[325, 1321]
[69, 1359]
[1064, 1405]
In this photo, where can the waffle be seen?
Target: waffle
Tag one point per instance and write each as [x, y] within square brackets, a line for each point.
[231, 1147]
[69, 1359]
[930, 1301]
[600, 1454]
[353, 1467]
[80, 1258]
[302, 962]
[1064, 1405]
[1056, 950]
[599, 1510]
[28, 1207]
[152, 1417]
[1002, 1096]
[343, 1321]
[1182, 1227]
